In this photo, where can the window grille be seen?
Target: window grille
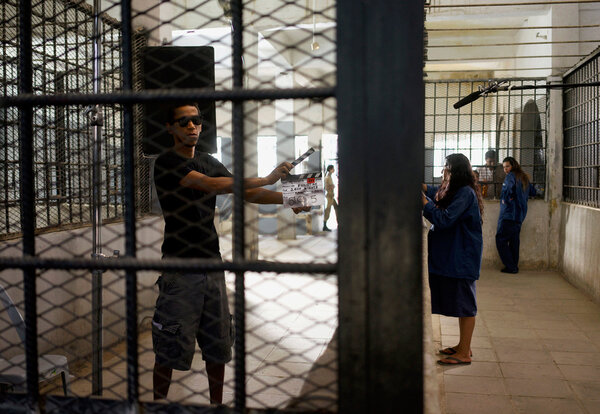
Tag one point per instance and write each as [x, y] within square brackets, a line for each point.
[581, 120]
[510, 123]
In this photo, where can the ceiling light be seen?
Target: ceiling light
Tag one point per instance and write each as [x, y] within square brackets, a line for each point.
[314, 45]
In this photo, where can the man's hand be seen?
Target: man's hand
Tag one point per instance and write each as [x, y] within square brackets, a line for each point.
[301, 209]
[281, 171]
[425, 201]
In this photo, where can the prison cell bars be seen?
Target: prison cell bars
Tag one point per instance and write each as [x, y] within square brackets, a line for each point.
[581, 134]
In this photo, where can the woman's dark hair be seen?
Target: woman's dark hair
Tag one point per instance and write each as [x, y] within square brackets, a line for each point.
[460, 174]
[329, 167]
[518, 171]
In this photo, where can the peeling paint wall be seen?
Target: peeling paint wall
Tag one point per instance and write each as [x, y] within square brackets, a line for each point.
[580, 247]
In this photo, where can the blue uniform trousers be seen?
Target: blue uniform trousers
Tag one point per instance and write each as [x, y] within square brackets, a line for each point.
[507, 243]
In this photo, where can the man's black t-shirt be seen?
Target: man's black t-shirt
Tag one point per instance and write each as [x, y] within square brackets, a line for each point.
[189, 213]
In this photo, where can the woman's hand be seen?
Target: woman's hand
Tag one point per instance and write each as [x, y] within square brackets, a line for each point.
[425, 200]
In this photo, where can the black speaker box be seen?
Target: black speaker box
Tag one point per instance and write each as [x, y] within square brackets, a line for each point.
[175, 67]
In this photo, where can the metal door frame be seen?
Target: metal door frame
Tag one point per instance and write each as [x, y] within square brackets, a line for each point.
[380, 100]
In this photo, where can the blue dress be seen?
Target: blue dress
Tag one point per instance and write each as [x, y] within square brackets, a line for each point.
[455, 247]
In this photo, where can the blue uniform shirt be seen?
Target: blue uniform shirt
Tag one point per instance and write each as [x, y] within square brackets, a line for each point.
[455, 241]
[513, 199]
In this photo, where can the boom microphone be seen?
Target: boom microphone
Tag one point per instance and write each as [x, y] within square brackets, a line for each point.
[467, 99]
[492, 87]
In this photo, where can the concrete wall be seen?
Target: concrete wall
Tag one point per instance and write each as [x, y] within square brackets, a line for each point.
[64, 297]
[534, 236]
[580, 247]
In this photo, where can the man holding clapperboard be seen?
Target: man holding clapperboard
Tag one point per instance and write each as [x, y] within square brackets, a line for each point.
[193, 307]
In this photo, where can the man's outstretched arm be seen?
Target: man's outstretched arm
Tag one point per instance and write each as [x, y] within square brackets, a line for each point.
[264, 196]
[223, 185]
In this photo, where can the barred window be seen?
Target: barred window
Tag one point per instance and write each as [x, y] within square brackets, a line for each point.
[582, 135]
[509, 123]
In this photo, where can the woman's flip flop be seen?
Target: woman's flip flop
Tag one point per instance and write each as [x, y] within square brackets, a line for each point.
[449, 351]
[453, 361]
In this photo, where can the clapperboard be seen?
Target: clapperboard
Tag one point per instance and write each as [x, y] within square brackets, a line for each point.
[303, 190]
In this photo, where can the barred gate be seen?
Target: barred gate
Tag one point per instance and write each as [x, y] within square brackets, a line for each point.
[81, 235]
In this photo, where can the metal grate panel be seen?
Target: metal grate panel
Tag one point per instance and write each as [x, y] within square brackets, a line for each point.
[510, 123]
[581, 152]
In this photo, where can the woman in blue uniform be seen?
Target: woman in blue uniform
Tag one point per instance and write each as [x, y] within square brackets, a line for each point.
[513, 209]
[455, 245]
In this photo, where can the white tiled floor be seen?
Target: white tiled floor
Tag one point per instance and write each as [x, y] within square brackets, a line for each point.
[536, 345]
[536, 348]
[290, 320]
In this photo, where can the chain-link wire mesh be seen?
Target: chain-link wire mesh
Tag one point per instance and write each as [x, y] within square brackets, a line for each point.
[486, 131]
[283, 320]
[581, 135]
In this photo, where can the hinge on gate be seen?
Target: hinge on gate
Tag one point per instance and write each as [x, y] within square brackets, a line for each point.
[96, 118]
[116, 254]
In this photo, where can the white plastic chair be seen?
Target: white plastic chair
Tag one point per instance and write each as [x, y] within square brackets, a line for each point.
[13, 372]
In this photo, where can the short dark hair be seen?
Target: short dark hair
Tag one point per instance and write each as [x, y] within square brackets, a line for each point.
[170, 115]
[490, 154]
[329, 167]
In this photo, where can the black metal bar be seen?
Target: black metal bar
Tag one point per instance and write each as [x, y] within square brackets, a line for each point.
[167, 95]
[130, 210]
[380, 281]
[167, 265]
[96, 123]
[238, 207]
[353, 372]
[28, 201]
[56, 404]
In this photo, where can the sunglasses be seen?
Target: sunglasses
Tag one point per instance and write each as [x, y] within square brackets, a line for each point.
[184, 121]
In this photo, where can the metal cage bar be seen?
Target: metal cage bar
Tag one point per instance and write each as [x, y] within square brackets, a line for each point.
[28, 201]
[493, 123]
[581, 151]
[130, 209]
[239, 248]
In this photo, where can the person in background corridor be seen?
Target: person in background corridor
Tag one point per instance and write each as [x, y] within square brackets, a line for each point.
[513, 209]
[330, 196]
[455, 247]
[491, 177]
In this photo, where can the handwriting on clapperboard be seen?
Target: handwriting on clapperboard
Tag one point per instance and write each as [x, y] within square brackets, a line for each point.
[303, 190]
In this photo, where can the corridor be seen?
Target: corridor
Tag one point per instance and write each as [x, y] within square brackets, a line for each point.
[536, 348]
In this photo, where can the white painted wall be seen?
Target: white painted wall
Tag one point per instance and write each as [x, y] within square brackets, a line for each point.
[64, 301]
[534, 236]
[580, 247]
